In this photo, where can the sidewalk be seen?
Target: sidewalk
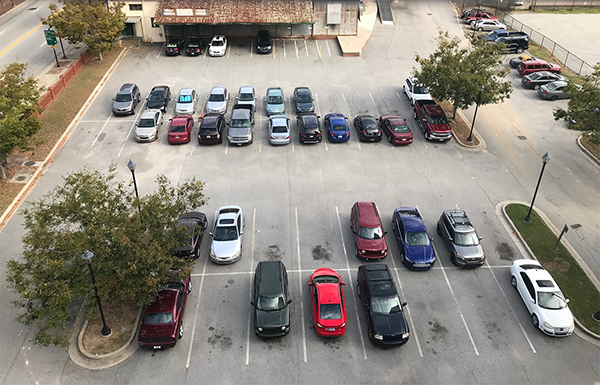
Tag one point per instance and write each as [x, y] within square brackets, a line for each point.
[353, 45]
[7, 5]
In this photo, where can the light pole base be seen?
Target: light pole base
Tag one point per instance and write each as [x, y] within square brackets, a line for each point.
[527, 219]
[106, 332]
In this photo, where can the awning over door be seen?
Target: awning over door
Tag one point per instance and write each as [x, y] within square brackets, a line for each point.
[132, 19]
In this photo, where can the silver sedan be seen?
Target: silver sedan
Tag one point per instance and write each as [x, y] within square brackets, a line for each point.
[226, 245]
[279, 129]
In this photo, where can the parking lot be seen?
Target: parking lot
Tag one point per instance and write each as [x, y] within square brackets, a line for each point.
[467, 325]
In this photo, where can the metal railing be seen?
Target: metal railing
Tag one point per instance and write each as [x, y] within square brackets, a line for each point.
[564, 56]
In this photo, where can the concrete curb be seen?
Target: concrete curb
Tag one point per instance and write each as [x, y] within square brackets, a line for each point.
[12, 208]
[482, 144]
[580, 330]
[586, 151]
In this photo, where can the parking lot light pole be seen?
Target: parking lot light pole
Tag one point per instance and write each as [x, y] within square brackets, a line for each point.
[131, 166]
[87, 257]
[470, 138]
[545, 160]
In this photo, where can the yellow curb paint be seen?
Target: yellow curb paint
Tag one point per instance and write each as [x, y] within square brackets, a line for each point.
[21, 38]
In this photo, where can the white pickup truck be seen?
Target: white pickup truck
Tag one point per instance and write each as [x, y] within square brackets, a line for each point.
[414, 90]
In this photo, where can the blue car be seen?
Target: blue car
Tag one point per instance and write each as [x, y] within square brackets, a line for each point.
[413, 240]
[337, 128]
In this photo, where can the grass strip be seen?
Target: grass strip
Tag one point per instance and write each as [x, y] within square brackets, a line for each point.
[568, 11]
[570, 277]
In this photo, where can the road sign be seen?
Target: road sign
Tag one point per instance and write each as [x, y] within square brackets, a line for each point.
[50, 37]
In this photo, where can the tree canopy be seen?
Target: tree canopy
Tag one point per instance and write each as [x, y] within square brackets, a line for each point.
[457, 74]
[583, 111]
[133, 251]
[88, 22]
[19, 96]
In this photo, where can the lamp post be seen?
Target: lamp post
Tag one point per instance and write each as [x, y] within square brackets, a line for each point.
[545, 160]
[87, 257]
[131, 166]
[470, 138]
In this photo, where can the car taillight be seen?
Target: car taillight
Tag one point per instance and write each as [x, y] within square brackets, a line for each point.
[364, 132]
[546, 92]
[218, 136]
[287, 137]
[528, 81]
[303, 135]
[271, 136]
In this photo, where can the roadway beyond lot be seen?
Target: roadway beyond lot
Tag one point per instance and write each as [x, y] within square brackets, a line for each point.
[467, 326]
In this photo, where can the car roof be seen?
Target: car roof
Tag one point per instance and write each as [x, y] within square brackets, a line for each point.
[159, 88]
[380, 280]
[271, 279]
[393, 118]
[411, 219]
[302, 90]
[541, 279]
[368, 214]
[210, 120]
[275, 90]
[164, 302]
[126, 88]
[541, 73]
[148, 114]
[218, 37]
[179, 119]
[229, 209]
[336, 117]
[186, 91]
[459, 220]
[328, 292]
[246, 89]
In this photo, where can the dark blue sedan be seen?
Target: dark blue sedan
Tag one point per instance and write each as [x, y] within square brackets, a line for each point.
[413, 240]
[337, 127]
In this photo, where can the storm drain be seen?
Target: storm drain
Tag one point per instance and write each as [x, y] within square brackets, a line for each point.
[33, 8]
[522, 137]
[22, 176]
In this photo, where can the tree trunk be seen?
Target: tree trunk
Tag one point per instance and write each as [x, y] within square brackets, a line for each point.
[2, 174]
[454, 112]
[100, 55]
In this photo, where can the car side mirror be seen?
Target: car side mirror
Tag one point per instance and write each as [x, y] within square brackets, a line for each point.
[404, 304]
[385, 232]
[431, 239]
[113, 98]
[211, 234]
[241, 232]
[289, 301]
[227, 124]
[318, 117]
[480, 238]
[450, 239]
[567, 300]
[354, 231]
[252, 303]
[424, 120]
[170, 119]
[344, 283]
[252, 123]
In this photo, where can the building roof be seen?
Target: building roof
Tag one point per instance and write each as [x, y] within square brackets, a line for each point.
[234, 12]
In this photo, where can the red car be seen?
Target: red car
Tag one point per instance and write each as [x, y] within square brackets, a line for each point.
[530, 66]
[328, 303]
[369, 236]
[162, 323]
[479, 16]
[396, 129]
[180, 130]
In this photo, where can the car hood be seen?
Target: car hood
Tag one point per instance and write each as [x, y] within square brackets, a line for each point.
[272, 318]
[305, 106]
[389, 324]
[145, 130]
[121, 105]
[215, 106]
[185, 250]
[469, 251]
[154, 105]
[184, 107]
[371, 244]
[275, 107]
[157, 331]
[420, 254]
[440, 127]
[225, 249]
[557, 318]
[239, 131]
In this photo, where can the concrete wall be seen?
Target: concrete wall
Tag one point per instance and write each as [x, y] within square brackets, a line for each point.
[348, 25]
[143, 28]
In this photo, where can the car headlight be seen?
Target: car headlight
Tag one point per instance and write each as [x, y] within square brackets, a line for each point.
[260, 329]
[548, 325]
[459, 256]
[236, 253]
[378, 337]
[283, 328]
[408, 259]
[383, 251]
[212, 253]
[342, 325]
[572, 326]
[319, 325]
[405, 335]
[363, 252]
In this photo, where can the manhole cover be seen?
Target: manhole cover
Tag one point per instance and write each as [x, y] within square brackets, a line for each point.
[20, 178]
[596, 316]
[29, 163]
[575, 226]
[522, 137]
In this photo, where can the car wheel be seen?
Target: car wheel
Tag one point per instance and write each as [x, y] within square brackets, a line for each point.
[358, 289]
[370, 333]
[180, 334]
[190, 286]
[513, 281]
[453, 259]
[414, 115]
[553, 98]
[479, 29]
[404, 90]
[439, 231]
[535, 321]
[390, 139]
[426, 135]
[133, 110]
[519, 50]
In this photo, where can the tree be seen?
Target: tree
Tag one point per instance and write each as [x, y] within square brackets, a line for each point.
[583, 111]
[456, 74]
[87, 22]
[19, 96]
[133, 252]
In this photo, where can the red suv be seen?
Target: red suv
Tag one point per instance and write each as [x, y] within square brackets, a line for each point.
[530, 66]
[369, 236]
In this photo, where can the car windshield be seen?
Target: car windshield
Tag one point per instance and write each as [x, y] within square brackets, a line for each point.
[275, 99]
[534, 75]
[239, 123]
[400, 128]
[416, 238]
[554, 300]
[185, 98]
[146, 123]
[156, 97]
[216, 98]
[280, 129]
[338, 127]
[193, 45]
[263, 40]
[225, 233]
[370, 124]
[246, 97]
[159, 318]
[305, 98]
[310, 121]
[466, 239]
[270, 303]
[217, 43]
[172, 45]
[551, 86]
[370, 232]
[177, 129]
[208, 131]
[438, 119]
[386, 305]
[326, 279]
[123, 98]
[421, 90]
[330, 311]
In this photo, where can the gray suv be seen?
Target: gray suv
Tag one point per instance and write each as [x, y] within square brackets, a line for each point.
[126, 99]
[456, 229]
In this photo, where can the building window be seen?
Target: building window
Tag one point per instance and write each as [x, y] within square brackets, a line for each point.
[154, 25]
[135, 7]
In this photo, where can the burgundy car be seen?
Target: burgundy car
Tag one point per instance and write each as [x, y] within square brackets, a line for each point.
[162, 323]
[396, 129]
[211, 129]
[369, 236]
[180, 130]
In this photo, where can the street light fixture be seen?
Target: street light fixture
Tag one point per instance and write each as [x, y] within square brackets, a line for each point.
[545, 160]
[87, 257]
[131, 166]
[470, 138]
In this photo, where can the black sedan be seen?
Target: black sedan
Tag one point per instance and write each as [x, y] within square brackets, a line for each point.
[195, 47]
[309, 128]
[159, 98]
[195, 223]
[536, 79]
[368, 129]
[174, 47]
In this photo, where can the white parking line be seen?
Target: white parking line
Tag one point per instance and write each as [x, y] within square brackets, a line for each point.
[306, 48]
[43, 44]
[318, 111]
[251, 285]
[284, 53]
[1, 32]
[328, 50]
[251, 49]
[300, 283]
[362, 340]
[296, 48]
[130, 129]
[456, 205]
[160, 50]
[228, 50]
[99, 133]
[374, 104]
[189, 357]
[349, 115]
[318, 48]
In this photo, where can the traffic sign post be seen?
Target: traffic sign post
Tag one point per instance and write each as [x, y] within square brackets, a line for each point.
[55, 57]
[50, 37]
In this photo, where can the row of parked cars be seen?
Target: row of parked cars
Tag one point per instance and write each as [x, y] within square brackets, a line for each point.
[217, 46]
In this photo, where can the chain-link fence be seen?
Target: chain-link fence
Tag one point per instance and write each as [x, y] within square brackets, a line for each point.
[563, 55]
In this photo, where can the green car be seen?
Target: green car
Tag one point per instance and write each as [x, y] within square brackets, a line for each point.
[274, 101]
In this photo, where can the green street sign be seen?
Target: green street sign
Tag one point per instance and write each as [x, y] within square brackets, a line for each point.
[50, 36]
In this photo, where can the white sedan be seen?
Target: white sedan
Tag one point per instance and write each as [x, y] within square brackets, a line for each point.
[487, 25]
[217, 46]
[544, 300]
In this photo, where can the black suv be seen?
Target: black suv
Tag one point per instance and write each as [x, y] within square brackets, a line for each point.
[458, 232]
[126, 99]
[211, 129]
[309, 128]
[513, 44]
[159, 98]
[303, 99]
[270, 300]
[377, 291]
[263, 42]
